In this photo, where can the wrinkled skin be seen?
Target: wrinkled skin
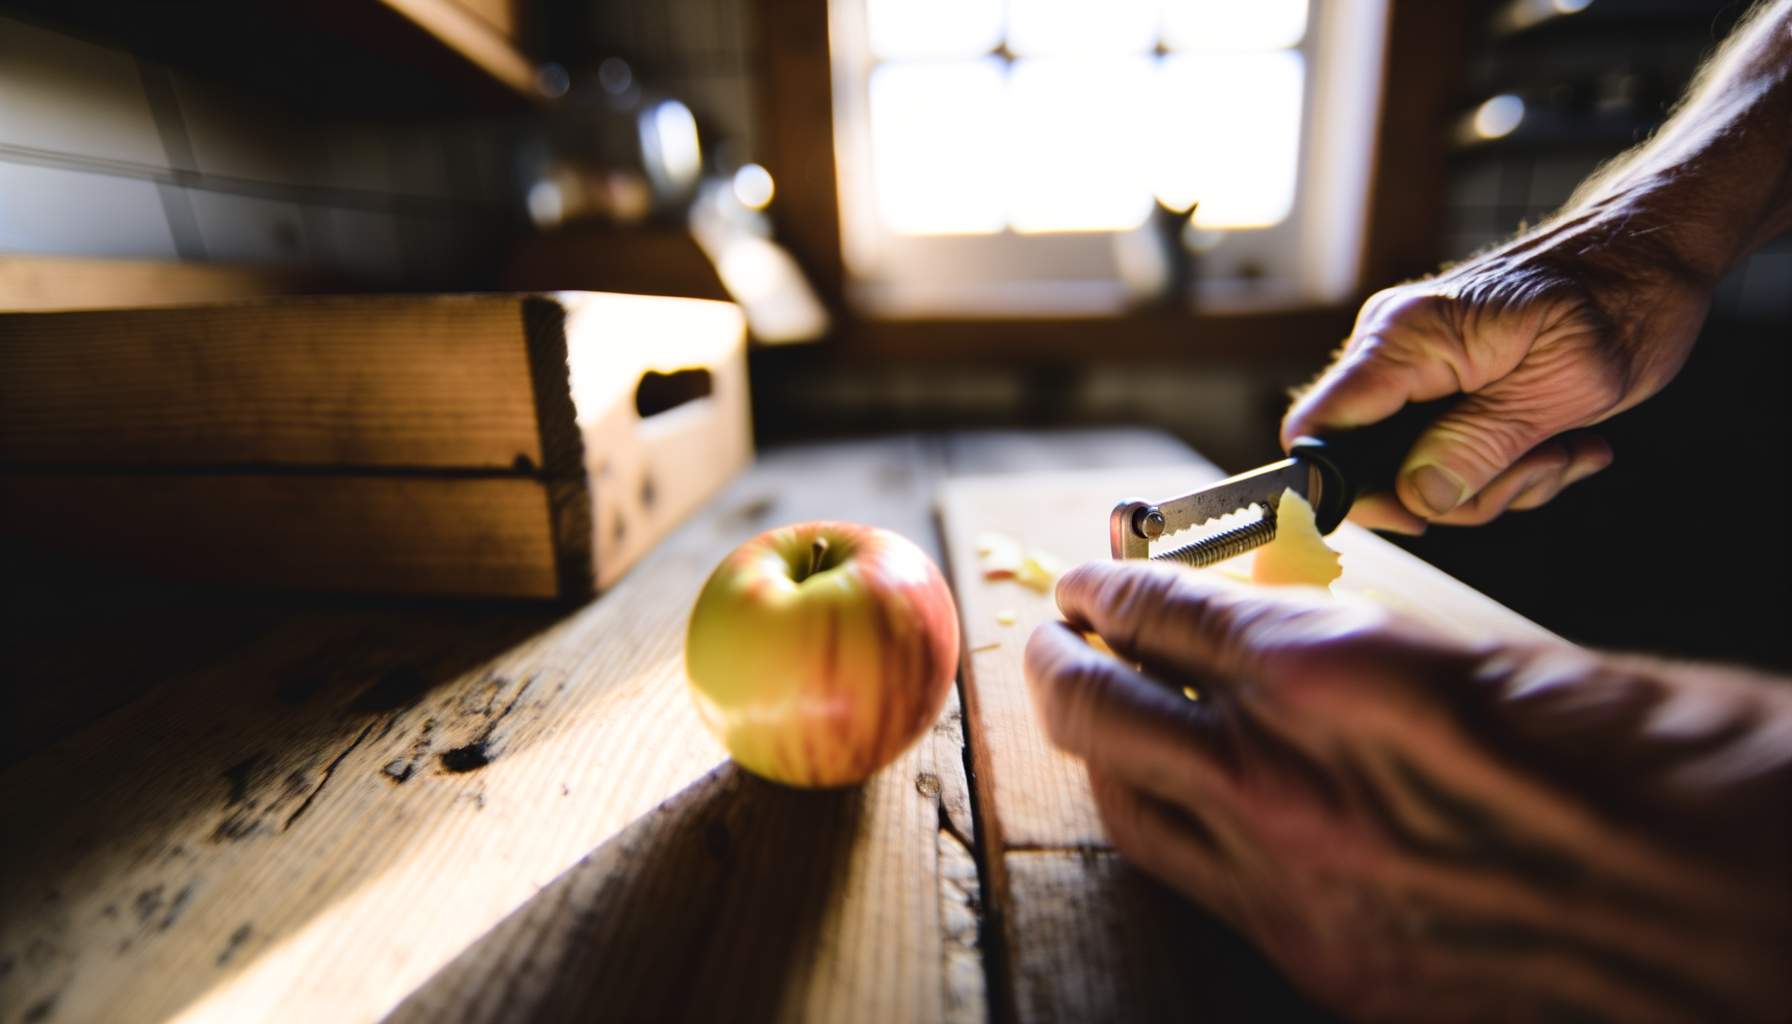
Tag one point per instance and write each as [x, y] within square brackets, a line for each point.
[1578, 319]
[1540, 341]
[1413, 828]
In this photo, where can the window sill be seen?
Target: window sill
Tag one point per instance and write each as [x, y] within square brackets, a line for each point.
[1283, 337]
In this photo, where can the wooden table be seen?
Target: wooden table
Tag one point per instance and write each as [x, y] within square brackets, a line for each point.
[222, 807]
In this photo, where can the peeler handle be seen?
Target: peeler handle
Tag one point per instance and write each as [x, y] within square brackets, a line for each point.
[1353, 463]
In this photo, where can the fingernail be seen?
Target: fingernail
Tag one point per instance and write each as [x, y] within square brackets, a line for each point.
[1438, 489]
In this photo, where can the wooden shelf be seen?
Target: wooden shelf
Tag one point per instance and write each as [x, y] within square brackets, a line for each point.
[486, 41]
[360, 56]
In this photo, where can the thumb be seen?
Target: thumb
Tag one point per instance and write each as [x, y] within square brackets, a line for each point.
[1405, 349]
[1478, 439]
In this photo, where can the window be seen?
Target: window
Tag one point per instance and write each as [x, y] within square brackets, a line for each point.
[1008, 155]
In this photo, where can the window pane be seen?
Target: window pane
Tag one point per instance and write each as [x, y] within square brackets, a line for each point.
[1234, 24]
[936, 155]
[1081, 28]
[1231, 138]
[1078, 144]
[933, 28]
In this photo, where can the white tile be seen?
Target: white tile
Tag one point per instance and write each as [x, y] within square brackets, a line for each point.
[432, 249]
[694, 29]
[477, 150]
[236, 135]
[356, 158]
[247, 229]
[418, 156]
[1553, 180]
[723, 105]
[366, 245]
[73, 213]
[66, 95]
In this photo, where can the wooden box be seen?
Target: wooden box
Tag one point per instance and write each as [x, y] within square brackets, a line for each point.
[507, 445]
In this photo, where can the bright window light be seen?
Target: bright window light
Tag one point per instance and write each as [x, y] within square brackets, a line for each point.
[1076, 157]
[1233, 25]
[1054, 28]
[1499, 116]
[1011, 155]
[936, 146]
[931, 29]
[1231, 138]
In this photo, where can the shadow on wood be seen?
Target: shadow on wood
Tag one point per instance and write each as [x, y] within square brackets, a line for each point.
[1123, 947]
[186, 740]
[709, 908]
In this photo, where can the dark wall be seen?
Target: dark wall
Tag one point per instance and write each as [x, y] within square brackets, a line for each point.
[1681, 547]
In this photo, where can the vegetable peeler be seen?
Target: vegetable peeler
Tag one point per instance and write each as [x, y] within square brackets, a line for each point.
[1330, 472]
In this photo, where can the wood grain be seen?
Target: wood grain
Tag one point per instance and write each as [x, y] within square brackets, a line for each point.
[388, 534]
[1034, 802]
[31, 283]
[365, 381]
[1125, 948]
[323, 823]
[458, 445]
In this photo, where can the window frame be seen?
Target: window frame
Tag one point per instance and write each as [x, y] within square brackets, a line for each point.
[1423, 52]
[1077, 273]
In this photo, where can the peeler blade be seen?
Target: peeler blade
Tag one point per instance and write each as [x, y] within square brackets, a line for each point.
[1135, 523]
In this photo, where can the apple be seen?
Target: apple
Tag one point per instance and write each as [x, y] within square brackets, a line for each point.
[820, 651]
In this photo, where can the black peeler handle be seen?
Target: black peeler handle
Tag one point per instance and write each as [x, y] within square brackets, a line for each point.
[1353, 463]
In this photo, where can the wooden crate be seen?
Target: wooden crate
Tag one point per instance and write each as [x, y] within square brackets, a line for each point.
[508, 445]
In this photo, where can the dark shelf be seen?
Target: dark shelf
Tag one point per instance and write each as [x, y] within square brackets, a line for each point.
[360, 56]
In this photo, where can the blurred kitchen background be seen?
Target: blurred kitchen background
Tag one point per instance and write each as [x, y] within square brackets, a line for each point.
[936, 213]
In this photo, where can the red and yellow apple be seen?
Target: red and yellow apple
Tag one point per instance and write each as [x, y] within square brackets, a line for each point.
[818, 652]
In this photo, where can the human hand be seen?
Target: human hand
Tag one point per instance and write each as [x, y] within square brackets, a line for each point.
[1414, 828]
[1554, 332]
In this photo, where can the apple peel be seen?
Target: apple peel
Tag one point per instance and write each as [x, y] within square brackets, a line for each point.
[1298, 556]
[1001, 557]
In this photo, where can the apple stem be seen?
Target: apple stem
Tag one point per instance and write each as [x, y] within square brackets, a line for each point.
[816, 551]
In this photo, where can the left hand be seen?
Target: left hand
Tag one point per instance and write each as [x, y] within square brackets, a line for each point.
[1413, 827]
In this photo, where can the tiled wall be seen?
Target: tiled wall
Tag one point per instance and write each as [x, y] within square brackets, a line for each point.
[1632, 68]
[700, 51]
[106, 155]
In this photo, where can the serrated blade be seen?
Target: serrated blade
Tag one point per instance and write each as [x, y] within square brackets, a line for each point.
[1135, 524]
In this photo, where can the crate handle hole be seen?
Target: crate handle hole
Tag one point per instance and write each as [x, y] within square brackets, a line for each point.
[662, 392]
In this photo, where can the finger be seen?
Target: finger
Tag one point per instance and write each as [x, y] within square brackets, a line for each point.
[1120, 721]
[1383, 511]
[1479, 438]
[1534, 479]
[1404, 350]
[1370, 382]
[1588, 454]
[1164, 615]
[1165, 841]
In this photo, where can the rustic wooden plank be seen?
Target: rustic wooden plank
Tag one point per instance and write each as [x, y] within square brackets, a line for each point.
[1030, 796]
[32, 283]
[1125, 948]
[364, 381]
[319, 824]
[1040, 796]
[740, 900]
[494, 445]
[504, 16]
[391, 534]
